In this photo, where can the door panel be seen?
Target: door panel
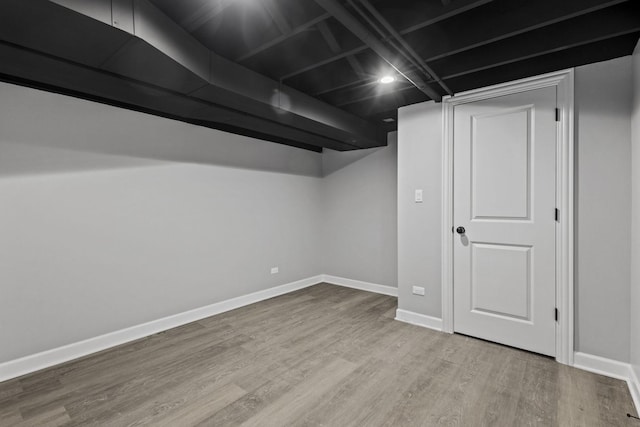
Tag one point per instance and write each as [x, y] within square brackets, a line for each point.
[503, 270]
[504, 197]
[500, 147]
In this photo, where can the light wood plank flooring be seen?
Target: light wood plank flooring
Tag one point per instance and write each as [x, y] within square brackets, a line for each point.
[322, 356]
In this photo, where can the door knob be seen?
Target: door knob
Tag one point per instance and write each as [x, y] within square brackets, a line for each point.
[460, 230]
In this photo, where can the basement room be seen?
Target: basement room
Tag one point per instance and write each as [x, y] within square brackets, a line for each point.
[319, 213]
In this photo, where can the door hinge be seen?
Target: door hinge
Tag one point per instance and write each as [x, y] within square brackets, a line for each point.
[557, 114]
[557, 214]
[555, 314]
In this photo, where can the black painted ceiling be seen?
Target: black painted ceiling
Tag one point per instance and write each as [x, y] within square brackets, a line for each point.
[467, 43]
[335, 51]
[463, 41]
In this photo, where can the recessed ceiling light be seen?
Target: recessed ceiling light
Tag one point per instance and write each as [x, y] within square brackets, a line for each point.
[389, 120]
[387, 79]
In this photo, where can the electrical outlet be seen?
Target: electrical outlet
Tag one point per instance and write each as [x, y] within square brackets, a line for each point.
[417, 290]
[275, 270]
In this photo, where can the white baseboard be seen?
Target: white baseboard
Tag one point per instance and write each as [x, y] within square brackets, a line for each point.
[600, 365]
[610, 368]
[634, 387]
[419, 319]
[46, 359]
[18, 367]
[363, 286]
[32, 363]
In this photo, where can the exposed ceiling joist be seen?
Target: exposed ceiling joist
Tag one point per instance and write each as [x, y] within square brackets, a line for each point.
[504, 28]
[519, 46]
[411, 70]
[329, 37]
[520, 58]
[356, 65]
[396, 91]
[586, 29]
[449, 11]
[205, 13]
[405, 46]
[184, 62]
[278, 18]
[342, 15]
[551, 61]
[352, 84]
[495, 62]
[576, 56]
[271, 43]
[443, 14]
[335, 47]
[315, 65]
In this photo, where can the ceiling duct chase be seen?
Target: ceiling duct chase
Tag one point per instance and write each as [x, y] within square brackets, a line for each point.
[129, 54]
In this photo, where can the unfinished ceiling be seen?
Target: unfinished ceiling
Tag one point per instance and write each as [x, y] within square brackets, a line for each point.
[304, 73]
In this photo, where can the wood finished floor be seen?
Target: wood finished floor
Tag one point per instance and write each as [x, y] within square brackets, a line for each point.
[322, 356]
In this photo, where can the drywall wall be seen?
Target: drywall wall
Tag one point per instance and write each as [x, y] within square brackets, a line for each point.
[419, 224]
[111, 218]
[603, 208]
[635, 218]
[603, 218]
[105, 210]
[359, 239]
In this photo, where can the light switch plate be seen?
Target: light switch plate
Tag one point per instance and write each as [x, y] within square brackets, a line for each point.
[417, 290]
[418, 196]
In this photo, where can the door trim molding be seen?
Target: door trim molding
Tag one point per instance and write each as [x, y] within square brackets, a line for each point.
[564, 81]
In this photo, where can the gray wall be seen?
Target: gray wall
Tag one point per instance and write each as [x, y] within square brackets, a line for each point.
[419, 224]
[359, 239]
[603, 208]
[106, 210]
[112, 218]
[635, 226]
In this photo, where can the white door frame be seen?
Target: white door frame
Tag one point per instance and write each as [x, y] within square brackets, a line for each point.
[563, 80]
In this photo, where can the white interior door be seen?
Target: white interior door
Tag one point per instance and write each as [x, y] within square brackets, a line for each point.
[504, 198]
